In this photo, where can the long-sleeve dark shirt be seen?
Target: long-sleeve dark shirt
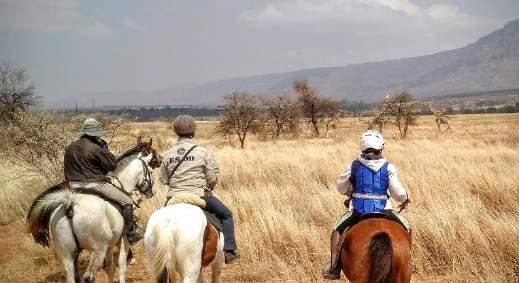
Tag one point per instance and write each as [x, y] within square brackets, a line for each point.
[85, 160]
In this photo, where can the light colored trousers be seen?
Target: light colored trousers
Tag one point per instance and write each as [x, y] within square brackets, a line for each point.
[105, 189]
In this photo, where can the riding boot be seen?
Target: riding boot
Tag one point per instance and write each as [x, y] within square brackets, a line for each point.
[332, 271]
[130, 228]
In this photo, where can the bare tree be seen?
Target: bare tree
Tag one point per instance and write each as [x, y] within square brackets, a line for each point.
[380, 118]
[330, 114]
[314, 107]
[240, 116]
[402, 109]
[281, 112]
[16, 91]
[35, 142]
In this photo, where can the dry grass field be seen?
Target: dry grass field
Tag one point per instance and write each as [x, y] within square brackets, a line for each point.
[464, 188]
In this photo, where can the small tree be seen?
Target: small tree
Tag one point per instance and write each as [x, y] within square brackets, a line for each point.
[402, 111]
[330, 113]
[240, 116]
[316, 108]
[34, 142]
[281, 113]
[16, 91]
[381, 117]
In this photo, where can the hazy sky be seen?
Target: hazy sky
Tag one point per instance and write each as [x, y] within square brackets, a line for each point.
[74, 47]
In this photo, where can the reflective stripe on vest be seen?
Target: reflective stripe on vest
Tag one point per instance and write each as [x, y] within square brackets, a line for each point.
[368, 196]
[370, 189]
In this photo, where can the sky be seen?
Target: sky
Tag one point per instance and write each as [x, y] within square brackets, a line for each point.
[72, 47]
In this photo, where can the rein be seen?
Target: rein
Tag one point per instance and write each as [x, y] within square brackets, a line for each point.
[145, 188]
[403, 205]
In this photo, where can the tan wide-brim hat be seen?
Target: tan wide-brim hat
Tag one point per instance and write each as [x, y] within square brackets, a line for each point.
[92, 127]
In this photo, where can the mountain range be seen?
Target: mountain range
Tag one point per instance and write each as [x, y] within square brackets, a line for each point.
[491, 63]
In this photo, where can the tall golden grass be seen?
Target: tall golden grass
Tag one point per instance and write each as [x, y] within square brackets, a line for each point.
[464, 188]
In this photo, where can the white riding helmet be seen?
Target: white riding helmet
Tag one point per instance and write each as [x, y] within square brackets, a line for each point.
[371, 139]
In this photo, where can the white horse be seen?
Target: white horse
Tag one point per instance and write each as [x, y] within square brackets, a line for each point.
[80, 221]
[179, 239]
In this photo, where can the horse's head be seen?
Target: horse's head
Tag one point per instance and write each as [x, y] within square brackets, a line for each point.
[147, 149]
[149, 161]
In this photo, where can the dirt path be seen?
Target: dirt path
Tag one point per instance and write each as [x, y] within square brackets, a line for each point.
[21, 260]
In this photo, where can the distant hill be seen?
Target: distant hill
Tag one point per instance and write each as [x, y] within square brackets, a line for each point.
[491, 63]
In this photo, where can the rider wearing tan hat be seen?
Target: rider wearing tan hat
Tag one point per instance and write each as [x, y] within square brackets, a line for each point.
[87, 162]
[189, 168]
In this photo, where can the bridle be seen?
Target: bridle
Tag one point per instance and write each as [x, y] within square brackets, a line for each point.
[146, 188]
[147, 185]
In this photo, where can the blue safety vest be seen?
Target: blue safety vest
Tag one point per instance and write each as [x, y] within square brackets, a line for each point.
[369, 188]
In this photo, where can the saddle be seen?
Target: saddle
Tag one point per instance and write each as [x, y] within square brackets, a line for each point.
[384, 214]
[193, 199]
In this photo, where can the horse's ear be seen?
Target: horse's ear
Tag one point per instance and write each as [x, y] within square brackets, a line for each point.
[139, 140]
[150, 142]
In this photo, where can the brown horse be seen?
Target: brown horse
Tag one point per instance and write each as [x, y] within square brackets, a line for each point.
[377, 250]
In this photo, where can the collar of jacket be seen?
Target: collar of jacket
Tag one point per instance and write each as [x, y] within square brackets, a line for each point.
[374, 165]
[182, 140]
[89, 138]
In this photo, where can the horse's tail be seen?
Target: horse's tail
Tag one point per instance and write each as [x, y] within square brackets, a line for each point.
[163, 262]
[41, 210]
[381, 251]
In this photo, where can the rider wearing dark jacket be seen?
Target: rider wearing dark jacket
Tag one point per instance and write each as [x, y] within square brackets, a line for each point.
[87, 162]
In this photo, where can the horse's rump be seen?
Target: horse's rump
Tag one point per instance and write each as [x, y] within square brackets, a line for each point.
[376, 250]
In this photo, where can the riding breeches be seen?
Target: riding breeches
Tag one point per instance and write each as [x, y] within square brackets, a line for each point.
[108, 191]
[218, 208]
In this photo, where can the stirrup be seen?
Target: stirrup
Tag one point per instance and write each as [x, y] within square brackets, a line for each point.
[231, 256]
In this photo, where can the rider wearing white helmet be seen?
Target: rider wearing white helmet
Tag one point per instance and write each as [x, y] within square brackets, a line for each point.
[368, 182]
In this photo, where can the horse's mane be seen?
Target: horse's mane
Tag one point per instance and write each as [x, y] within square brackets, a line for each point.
[124, 162]
[133, 150]
[127, 157]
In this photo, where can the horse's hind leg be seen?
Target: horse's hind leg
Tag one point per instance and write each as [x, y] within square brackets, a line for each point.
[191, 271]
[96, 261]
[76, 267]
[123, 254]
[69, 268]
[109, 258]
[64, 245]
[216, 267]
[68, 258]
